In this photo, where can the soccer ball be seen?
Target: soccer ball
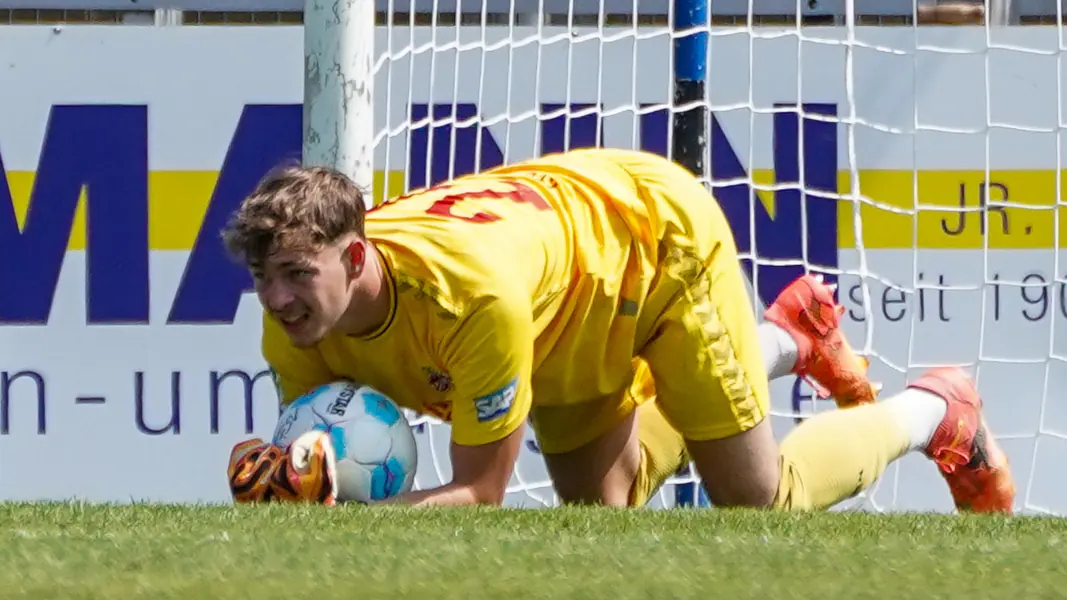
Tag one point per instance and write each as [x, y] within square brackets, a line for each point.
[374, 445]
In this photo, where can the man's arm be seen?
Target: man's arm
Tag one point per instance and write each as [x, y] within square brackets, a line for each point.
[480, 475]
[490, 357]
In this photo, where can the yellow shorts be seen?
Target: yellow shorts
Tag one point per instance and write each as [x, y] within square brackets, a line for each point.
[697, 330]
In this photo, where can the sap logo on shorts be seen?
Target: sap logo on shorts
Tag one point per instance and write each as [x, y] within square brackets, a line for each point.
[496, 404]
[442, 382]
[339, 406]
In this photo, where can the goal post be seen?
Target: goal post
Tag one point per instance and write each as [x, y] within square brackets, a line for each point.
[690, 118]
[339, 58]
[689, 132]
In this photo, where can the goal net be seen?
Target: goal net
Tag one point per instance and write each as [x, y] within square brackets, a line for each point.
[915, 165]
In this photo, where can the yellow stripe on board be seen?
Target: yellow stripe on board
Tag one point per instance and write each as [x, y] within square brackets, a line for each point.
[891, 219]
[178, 200]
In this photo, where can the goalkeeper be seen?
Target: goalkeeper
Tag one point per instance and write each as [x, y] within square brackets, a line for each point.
[598, 294]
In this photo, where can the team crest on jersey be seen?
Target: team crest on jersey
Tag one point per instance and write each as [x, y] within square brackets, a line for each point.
[440, 410]
[439, 381]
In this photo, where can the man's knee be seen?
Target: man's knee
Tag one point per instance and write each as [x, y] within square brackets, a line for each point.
[611, 486]
[738, 493]
[601, 472]
[742, 470]
[573, 491]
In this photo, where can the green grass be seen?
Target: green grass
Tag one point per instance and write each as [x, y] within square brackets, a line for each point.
[84, 551]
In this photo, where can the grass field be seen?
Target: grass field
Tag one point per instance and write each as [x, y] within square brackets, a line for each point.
[85, 551]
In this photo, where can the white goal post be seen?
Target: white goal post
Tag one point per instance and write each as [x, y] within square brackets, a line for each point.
[917, 165]
[339, 59]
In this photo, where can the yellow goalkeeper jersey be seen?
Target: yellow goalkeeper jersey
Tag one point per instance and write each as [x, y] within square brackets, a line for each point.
[524, 285]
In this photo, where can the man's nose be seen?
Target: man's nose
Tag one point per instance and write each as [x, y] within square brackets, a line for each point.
[276, 296]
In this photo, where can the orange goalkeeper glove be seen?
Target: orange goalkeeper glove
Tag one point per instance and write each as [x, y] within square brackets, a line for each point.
[304, 472]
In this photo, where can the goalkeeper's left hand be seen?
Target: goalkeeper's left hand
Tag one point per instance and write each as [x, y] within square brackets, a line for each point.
[306, 471]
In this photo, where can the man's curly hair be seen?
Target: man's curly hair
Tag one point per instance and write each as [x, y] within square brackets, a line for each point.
[294, 208]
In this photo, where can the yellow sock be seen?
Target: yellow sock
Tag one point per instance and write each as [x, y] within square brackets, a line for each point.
[835, 455]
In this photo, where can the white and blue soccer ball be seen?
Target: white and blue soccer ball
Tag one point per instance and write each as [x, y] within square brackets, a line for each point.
[373, 442]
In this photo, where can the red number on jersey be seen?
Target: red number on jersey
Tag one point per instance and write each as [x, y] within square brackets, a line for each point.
[454, 193]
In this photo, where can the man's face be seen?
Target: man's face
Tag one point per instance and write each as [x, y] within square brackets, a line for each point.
[306, 291]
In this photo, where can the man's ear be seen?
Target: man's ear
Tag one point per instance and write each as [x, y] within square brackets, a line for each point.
[355, 257]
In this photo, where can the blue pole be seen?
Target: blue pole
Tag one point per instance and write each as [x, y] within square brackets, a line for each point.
[690, 125]
[690, 133]
[691, 50]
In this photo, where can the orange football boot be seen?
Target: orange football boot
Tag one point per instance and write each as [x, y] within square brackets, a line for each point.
[963, 448]
[807, 310]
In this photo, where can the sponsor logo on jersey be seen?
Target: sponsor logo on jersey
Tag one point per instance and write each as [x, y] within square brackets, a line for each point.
[442, 382]
[497, 404]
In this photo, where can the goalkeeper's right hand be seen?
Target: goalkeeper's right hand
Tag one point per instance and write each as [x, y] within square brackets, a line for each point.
[304, 472]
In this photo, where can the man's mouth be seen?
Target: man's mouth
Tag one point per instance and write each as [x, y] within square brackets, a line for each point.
[294, 322]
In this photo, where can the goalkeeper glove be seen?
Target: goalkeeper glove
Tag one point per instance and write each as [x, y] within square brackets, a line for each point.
[306, 471]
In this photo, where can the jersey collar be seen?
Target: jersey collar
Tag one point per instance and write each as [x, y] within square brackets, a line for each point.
[390, 282]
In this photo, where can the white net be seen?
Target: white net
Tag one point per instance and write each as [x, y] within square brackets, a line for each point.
[948, 239]
[947, 234]
[916, 164]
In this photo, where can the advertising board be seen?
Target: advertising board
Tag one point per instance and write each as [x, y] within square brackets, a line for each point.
[129, 356]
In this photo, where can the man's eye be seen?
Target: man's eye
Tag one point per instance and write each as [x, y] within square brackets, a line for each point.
[301, 273]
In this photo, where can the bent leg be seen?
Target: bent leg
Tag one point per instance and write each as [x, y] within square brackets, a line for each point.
[634, 448]
[837, 454]
[711, 383]
[711, 379]
[601, 471]
[840, 453]
[622, 466]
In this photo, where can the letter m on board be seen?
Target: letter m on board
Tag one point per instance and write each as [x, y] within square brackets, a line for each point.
[100, 152]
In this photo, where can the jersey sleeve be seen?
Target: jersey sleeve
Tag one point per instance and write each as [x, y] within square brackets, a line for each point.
[296, 371]
[490, 356]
